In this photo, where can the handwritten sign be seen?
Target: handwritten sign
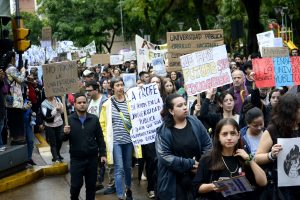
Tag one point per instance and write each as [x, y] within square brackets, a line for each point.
[128, 56]
[206, 69]
[60, 78]
[145, 107]
[288, 162]
[265, 39]
[280, 71]
[116, 59]
[181, 43]
[100, 59]
[264, 72]
[271, 52]
[235, 185]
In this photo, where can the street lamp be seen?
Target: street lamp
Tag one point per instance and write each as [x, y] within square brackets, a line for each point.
[180, 24]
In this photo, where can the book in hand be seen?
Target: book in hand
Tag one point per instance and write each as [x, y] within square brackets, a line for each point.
[234, 185]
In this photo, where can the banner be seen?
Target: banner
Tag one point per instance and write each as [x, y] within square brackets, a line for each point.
[100, 59]
[116, 59]
[288, 162]
[145, 107]
[271, 52]
[206, 69]
[181, 43]
[235, 185]
[60, 78]
[279, 71]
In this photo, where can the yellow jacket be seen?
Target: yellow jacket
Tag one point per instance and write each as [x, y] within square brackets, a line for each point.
[106, 125]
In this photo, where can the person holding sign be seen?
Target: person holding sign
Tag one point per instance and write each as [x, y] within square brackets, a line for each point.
[86, 143]
[116, 126]
[180, 142]
[284, 124]
[226, 160]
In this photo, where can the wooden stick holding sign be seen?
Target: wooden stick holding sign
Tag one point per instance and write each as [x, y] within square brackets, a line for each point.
[63, 97]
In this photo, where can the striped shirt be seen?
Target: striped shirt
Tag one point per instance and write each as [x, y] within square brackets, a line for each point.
[121, 136]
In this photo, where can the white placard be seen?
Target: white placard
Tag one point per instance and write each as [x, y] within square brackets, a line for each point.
[116, 59]
[129, 56]
[288, 162]
[145, 107]
[129, 81]
[235, 185]
[205, 69]
[265, 39]
[159, 66]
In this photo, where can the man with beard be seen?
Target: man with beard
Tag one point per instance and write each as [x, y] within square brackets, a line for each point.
[86, 143]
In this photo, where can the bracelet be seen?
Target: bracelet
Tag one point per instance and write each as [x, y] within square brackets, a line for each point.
[270, 156]
[249, 159]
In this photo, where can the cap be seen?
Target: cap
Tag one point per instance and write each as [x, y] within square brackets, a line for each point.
[88, 72]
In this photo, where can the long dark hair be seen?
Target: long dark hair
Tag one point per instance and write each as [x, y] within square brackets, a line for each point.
[216, 153]
[7, 58]
[221, 98]
[284, 114]
[167, 116]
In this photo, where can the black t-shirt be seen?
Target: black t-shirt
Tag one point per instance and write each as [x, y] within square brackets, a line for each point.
[185, 142]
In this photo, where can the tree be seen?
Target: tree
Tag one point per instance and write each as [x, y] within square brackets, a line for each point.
[84, 21]
[35, 24]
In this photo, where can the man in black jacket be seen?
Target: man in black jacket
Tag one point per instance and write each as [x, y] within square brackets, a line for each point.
[86, 143]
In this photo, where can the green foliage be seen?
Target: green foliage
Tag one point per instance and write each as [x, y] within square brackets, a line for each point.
[32, 22]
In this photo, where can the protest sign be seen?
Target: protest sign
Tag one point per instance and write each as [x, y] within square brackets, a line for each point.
[145, 107]
[142, 53]
[128, 56]
[265, 39]
[159, 66]
[129, 81]
[288, 162]
[264, 72]
[100, 59]
[278, 42]
[271, 52]
[60, 78]
[206, 69]
[235, 185]
[279, 71]
[47, 34]
[181, 43]
[116, 59]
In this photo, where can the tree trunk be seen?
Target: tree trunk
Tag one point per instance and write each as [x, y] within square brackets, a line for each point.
[201, 18]
[254, 26]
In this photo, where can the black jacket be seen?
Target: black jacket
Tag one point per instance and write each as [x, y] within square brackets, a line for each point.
[85, 139]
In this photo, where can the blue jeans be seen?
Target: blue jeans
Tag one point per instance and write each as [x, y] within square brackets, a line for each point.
[29, 138]
[122, 162]
[1, 127]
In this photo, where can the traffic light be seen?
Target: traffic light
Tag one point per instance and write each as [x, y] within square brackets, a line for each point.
[21, 42]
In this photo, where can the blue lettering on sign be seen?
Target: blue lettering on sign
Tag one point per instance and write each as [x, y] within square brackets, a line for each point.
[283, 71]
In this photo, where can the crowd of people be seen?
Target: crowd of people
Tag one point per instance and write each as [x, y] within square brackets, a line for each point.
[227, 131]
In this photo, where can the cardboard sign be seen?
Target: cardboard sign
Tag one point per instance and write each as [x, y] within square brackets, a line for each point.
[46, 34]
[60, 78]
[181, 43]
[116, 59]
[100, 59]
[279, 71]
[206, 69]
[145, 107]
[235, 185]
[288, 162]
[271, 52]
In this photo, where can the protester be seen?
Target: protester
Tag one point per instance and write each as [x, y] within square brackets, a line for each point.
[14, 100]
[168, 87]
[86, 143]
[284, 124]
[116, 125]
[226, 160]
[180, 142]
[144, 77]
[226, 103]
[52, 109]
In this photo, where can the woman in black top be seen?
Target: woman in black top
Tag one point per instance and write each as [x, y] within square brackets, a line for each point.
[180, 142]
[226, 160]
[284, 124]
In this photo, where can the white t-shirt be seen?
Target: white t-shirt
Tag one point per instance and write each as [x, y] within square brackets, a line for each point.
[94, 107]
